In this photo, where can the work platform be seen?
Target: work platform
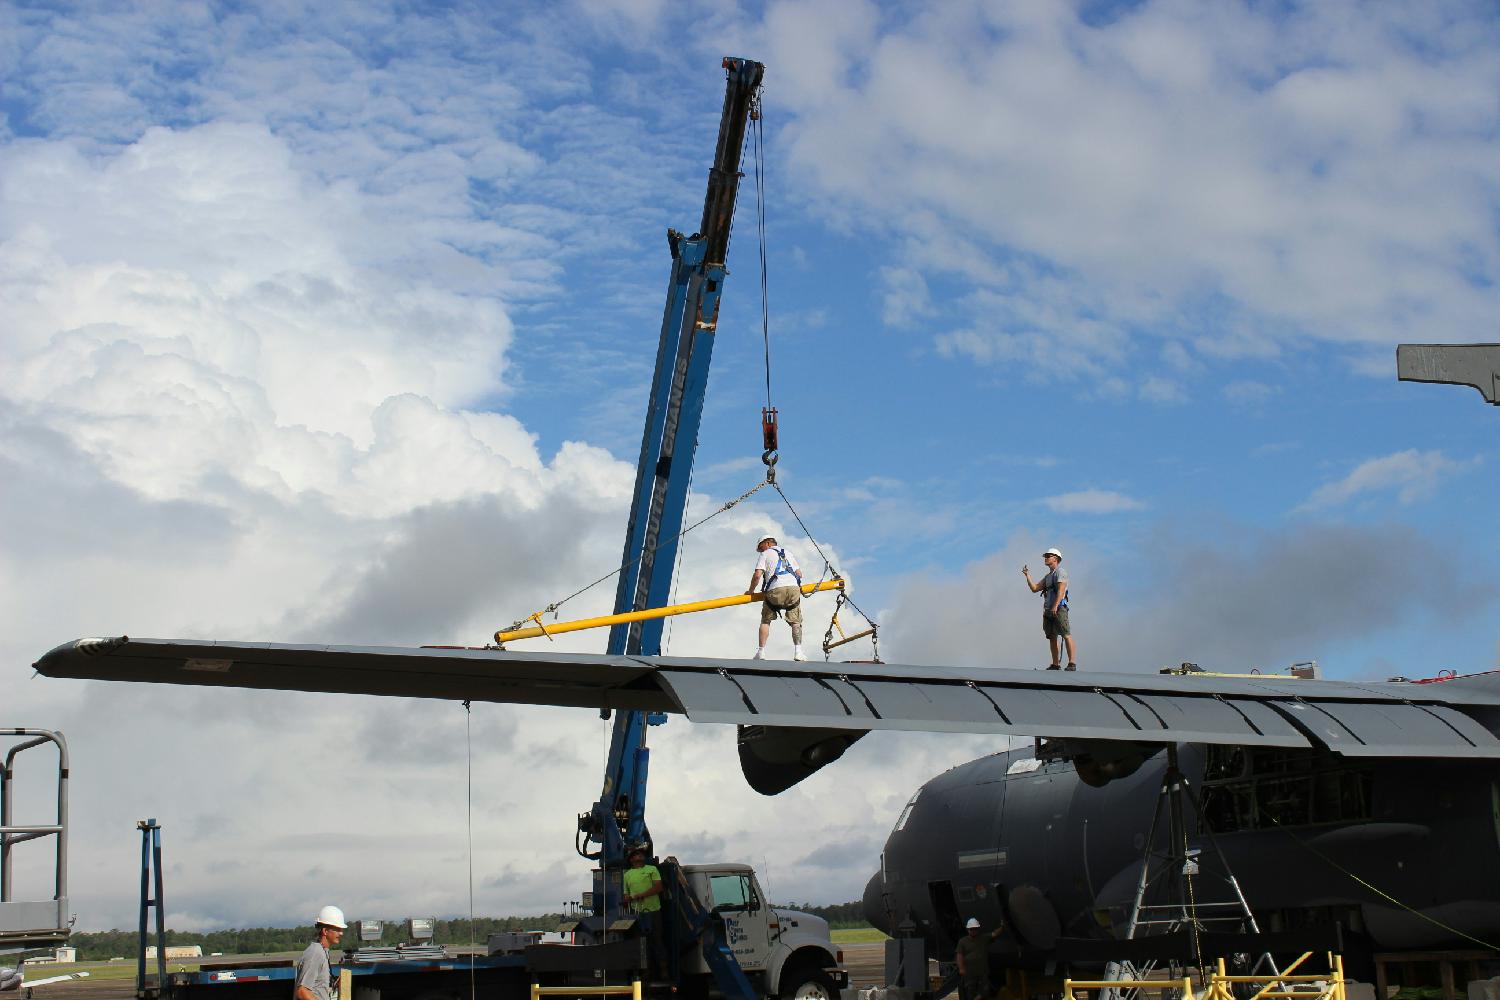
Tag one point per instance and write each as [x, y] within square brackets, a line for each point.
[33, 923]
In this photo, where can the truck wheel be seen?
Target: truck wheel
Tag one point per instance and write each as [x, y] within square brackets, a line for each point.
[809, 984]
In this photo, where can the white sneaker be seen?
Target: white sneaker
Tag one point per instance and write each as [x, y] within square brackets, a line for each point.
[798, 655]
[758, 653]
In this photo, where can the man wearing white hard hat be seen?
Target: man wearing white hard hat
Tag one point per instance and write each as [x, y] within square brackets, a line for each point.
[779, 576]
[312, 979]
[1054, 590]
[974, 961]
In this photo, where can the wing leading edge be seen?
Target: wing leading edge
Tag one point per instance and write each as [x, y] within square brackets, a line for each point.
[800, 716]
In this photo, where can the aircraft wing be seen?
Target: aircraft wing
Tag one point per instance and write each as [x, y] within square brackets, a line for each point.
[33, 983]
[809, 711]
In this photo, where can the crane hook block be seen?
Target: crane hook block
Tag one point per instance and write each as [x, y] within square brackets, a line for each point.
[768, 430]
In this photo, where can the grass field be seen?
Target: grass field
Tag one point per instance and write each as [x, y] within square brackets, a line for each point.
[104, 971]
[857, 935]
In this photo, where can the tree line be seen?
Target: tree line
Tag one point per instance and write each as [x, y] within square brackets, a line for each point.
[103, 945]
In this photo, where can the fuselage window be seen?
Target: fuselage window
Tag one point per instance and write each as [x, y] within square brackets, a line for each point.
[906, 814]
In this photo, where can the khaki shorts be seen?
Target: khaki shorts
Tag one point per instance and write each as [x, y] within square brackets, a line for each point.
[1056, 625]
[782, 599]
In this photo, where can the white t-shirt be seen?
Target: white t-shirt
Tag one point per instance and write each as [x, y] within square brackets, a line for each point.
[767, 566]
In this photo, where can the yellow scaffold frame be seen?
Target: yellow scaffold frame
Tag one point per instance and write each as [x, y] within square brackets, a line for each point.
[1185, 984]
[1273, 985]
[602, 621]
[1320, 986]
[633, 991]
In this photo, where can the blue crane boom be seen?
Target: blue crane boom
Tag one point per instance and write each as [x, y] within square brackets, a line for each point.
[663, 474]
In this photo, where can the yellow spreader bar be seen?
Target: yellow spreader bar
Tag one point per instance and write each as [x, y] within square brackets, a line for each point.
[647, 613]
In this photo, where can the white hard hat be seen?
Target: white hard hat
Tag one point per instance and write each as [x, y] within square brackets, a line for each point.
[332, 916]
[1052, 552]
[765, 538]
[973, 923]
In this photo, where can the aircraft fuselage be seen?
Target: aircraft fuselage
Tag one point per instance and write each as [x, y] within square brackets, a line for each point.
[1312, 837]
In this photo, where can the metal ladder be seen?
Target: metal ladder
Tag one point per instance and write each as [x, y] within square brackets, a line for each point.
[28, 924]
[1177, 866]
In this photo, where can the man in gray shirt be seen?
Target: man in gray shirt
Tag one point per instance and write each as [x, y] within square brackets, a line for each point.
[312, 979]
[1054, 590]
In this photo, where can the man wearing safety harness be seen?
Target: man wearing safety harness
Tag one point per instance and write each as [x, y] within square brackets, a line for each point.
[777, 573]
[1054, 590]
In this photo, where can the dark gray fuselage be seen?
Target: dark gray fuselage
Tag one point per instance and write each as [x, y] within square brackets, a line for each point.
[1004, 837]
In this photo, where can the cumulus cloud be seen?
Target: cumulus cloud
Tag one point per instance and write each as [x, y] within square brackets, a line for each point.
[230, 411]
[1247, 598]
[1236, 179]
[1411, 474]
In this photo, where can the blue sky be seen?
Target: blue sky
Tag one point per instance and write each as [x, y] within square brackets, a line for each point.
[335, 322]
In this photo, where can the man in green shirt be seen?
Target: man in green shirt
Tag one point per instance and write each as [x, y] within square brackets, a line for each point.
[642, 885]
[974, 961]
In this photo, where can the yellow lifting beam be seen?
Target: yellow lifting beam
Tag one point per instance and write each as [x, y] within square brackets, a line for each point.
[808, 589]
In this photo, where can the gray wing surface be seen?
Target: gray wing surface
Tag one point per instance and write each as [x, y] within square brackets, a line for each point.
[811, 712]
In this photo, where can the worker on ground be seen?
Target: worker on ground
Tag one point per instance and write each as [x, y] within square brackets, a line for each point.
[642, 885]
[311, 980]
[777, 573]
[974, 961]
[1054, 590]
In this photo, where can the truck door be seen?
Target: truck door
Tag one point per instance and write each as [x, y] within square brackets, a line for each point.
[745, 914]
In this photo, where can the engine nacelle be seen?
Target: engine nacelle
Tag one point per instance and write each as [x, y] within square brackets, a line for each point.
[1098, 762]
[774, 758]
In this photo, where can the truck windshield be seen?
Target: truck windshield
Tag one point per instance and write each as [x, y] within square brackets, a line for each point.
[731, 892]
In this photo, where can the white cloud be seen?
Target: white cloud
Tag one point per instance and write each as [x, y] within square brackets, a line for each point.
[1235, 177]
[1093, 502]
[906, 297]
[1155, 389]
[1412, 475]
[1225, 601]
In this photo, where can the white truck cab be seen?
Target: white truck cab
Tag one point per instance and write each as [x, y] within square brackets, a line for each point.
[785, 953]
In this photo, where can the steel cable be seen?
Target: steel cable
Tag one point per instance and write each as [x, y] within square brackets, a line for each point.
[631, 562]
[1376, 889]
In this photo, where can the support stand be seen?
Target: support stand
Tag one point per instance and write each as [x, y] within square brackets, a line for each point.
[1168, 874]
[151, 878]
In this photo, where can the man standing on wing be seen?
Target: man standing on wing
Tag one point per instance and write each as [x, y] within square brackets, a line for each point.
[1054, 590]
[777, 573]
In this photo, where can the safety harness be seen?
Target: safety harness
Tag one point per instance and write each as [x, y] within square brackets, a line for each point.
[783, 563]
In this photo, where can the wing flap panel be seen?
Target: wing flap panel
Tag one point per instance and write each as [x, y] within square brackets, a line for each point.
[957, 705]
[1392, 729]
[1468, 727]
[1269, 722]
[761, 698]
[790, 696]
